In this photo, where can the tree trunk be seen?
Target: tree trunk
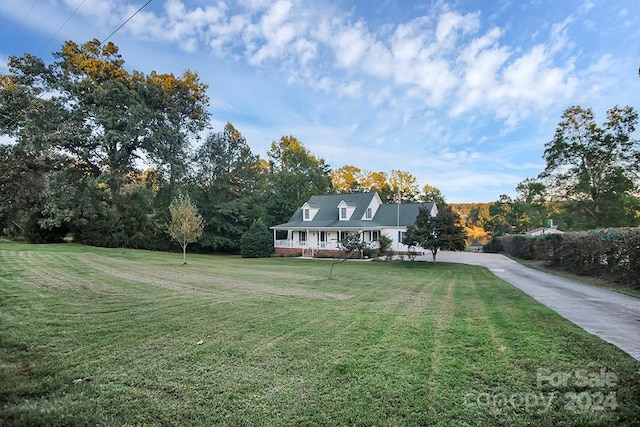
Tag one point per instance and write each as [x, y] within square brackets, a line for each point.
[184, 253]
[433, 254]
[114, 188]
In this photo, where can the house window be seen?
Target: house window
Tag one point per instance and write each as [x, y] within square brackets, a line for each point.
[400, 236]
[306, 214]
[368, 215]
[374, 236]
[302, 235]
[343, 235]
[343, 213]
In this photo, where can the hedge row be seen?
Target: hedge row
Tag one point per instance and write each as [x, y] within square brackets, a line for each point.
[612, 253]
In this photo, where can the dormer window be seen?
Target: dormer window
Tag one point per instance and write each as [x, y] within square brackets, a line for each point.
[368, 214]
[345, 210]
[308, 212]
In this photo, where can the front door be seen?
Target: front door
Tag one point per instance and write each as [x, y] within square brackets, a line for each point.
[323, 239]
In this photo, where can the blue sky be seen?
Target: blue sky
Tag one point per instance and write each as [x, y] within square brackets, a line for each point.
[462, 94]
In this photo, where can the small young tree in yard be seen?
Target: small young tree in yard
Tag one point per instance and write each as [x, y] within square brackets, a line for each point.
[186, 223]
[349, 244]
[257, 241]
[384, 245]
[444, 231]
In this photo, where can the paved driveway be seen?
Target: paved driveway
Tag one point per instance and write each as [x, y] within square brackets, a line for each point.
[611, 316]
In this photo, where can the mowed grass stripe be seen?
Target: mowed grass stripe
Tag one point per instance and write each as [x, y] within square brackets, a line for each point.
[408, 346]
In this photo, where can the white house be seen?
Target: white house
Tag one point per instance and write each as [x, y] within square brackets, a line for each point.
[323, 221]
[550, 228]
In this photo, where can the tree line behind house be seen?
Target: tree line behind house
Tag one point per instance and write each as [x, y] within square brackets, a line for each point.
[83, 124]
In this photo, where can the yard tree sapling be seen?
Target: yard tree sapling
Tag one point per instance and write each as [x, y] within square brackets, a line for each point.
[186, 224]
[384, 244]
[349, 244]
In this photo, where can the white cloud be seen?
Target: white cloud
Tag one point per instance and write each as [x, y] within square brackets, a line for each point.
[4, 65]
[428, 61]
[600, 77]
[102, 10]
[277, 31]
[414, 86]
[587, 6]
[350, 44]
[226, 32]
[559, 36]
[450, 23]
[380, 97]
[351, 89]
[513, 84]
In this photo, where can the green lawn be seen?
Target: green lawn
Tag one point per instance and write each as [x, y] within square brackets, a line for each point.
[93, 336]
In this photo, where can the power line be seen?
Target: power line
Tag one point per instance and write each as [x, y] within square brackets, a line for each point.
[61, 26]
[125, 22]
[24, 18]
[32, 102]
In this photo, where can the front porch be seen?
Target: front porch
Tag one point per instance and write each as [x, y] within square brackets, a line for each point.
[314, 242]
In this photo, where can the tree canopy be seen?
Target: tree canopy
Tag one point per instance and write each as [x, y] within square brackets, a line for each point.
[88, 105]
[83, 125]
[594, 169]
[591, 178]
[295, 175]
[228, 184]
[445, 231]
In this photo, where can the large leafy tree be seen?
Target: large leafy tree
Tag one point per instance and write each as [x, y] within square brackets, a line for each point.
[23, 177]
[445, 231]
[72, 199]
[295, 175]
[376, 181]
[531, 204]
[594, 169]
[351, 179]
[503, 217]
[229, 184]
[88, 105]
[346, 179]
[529, 209]
[406, 184]
[432, 194]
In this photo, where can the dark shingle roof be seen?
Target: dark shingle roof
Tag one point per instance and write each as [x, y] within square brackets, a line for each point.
[388, 214]
[328, 215]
